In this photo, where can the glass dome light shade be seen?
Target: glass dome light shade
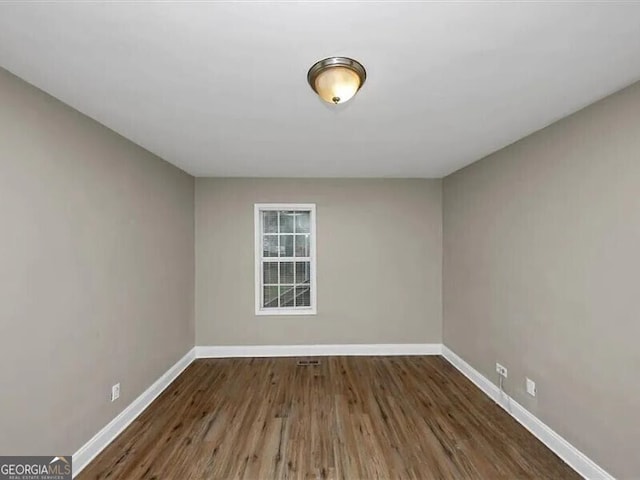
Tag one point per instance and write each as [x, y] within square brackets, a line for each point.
[337, 84]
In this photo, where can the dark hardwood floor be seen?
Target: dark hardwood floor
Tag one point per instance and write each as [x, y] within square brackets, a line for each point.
[349, 418]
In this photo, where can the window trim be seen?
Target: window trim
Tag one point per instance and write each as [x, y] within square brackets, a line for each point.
[257, 210]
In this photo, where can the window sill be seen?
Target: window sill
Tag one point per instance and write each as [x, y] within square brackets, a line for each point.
[284, 311]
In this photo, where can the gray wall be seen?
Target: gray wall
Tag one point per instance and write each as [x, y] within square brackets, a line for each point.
[379, 262]
[542, 274]
[96, 276]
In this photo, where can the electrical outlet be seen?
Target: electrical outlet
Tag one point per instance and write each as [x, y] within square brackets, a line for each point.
[502, 371]
[115, 392]
[531, 387]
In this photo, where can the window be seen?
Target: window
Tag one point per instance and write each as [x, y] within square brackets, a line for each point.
[285, 259]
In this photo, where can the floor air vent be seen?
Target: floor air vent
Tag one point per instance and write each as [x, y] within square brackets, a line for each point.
[308, 363]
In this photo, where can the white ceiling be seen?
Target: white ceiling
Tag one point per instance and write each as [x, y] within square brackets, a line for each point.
[220, 88]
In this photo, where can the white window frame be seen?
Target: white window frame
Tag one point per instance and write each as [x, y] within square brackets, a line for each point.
[259, 291]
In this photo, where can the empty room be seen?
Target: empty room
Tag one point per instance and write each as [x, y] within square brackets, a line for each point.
[319, 240]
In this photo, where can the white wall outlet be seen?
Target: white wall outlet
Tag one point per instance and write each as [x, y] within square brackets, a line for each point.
[531, 387]
[115, 392]
[502, 371]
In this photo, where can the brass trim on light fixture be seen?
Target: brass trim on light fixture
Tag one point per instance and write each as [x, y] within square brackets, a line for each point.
[332, 62]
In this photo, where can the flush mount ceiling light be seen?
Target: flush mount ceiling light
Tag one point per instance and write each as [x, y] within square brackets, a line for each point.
[336, 79]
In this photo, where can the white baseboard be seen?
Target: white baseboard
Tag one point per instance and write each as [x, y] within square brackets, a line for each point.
[104, 437]
[571, 455]
[318, 350]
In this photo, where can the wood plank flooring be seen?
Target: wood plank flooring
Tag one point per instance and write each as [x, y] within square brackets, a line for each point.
[348, 418]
